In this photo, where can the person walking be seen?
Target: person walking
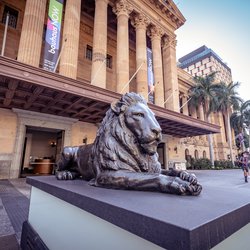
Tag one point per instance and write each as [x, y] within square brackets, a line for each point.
[244, 164]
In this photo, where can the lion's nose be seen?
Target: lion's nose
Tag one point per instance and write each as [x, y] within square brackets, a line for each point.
[156, 130]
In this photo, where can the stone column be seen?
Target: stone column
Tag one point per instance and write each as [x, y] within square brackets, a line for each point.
[140, 23]
[122, 9]
[194, 112]
[155, 35]
[71, 29]
[170, 74]
[185, 107]
[32, 32]
[98, 73]
[201, 113]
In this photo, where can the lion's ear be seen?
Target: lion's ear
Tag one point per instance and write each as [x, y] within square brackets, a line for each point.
[117, 107]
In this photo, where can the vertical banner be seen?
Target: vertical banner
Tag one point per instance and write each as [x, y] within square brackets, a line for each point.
[52, 40]
[150, 75]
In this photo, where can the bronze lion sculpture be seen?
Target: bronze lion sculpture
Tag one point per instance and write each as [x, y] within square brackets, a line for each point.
[124, 153]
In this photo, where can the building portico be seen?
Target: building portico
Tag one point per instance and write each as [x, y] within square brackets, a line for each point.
[102, 54]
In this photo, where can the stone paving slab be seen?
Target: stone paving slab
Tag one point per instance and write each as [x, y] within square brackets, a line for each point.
[15, 209]
[9, 242]
[6, 227]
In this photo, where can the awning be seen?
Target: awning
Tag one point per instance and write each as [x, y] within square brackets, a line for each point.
[30, 88]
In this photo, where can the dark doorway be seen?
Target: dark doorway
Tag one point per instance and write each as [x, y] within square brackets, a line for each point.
[42, 147]
[161, 153]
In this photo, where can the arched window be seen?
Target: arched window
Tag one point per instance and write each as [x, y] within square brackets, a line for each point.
[196, 154]
[186, 153]
[204, 154]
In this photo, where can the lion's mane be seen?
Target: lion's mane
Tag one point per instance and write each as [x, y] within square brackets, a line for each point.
[116, 147]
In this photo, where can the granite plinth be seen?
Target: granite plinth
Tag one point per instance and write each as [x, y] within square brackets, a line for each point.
[169, 221]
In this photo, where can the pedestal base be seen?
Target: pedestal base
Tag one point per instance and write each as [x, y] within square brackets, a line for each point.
[74, 215]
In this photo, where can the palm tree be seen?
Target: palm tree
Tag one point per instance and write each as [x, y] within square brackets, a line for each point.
[202, 93]
[226, 99]
[240, 121]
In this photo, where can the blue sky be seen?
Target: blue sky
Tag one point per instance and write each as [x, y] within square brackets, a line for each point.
[223, 26]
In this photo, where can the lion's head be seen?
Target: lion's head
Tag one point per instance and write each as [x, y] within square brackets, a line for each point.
[128, 137]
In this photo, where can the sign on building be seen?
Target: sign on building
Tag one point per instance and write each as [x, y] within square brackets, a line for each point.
[52, 39]
[150, 75]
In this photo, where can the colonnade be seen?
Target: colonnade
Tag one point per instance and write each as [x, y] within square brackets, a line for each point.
[163, 47]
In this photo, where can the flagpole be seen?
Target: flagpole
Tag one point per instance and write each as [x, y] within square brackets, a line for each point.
[5, 33]
[185, 103]
[132, 76]
[153, 89]
[58, 59]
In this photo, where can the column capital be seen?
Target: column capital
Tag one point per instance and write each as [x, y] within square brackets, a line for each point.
[140, 21]
[169, 41]
[155, 33]
[122, 7]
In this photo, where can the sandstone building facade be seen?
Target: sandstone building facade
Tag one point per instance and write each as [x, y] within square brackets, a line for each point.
[102, 54]
[202, 62]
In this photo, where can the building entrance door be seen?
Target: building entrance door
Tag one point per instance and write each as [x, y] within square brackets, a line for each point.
[161, 153]
[41, 150]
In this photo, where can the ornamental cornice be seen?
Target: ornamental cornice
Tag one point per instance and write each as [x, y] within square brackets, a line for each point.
[169, 9]
[122, 7]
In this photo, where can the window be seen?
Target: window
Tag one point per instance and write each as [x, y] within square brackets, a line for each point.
[204, 154]
[109, 61]
[186, 153]
[196, 154]
[13, 16]
[89, 53]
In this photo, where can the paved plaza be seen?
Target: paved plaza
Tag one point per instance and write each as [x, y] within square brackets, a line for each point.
[14, 200]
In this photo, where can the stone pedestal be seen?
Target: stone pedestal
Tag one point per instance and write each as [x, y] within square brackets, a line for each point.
[75, 215]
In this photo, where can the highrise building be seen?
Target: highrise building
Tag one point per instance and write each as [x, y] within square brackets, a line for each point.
[204, 61]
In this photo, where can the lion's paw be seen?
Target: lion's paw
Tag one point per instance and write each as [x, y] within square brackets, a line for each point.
[182, 187]
[176, 188]
[64, 175]
[196, 189]
[189, 177]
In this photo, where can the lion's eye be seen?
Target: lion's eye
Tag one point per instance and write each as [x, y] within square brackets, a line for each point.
[139, 114]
